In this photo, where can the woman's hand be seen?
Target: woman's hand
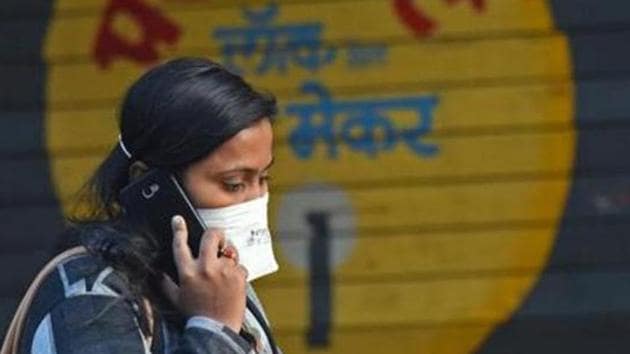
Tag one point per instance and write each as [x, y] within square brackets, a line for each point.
[213, 285]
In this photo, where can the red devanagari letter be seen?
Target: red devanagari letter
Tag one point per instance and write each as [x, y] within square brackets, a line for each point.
[154, 26]
[422, 25]
[414, 18]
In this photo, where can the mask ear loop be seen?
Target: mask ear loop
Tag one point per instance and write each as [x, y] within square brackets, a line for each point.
[123, 147]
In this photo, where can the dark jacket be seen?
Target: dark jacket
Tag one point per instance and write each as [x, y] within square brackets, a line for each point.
[84, 307]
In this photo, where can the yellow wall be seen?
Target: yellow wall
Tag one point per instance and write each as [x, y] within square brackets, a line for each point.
[437, 245]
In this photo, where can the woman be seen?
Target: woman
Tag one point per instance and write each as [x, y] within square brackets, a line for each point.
[192, 118]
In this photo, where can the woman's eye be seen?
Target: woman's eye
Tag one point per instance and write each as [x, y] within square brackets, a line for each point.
[234, 187]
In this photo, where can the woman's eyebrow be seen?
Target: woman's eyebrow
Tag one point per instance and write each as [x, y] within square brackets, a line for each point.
[248, 169]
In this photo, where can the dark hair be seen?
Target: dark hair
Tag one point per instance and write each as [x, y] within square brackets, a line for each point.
[175, 114]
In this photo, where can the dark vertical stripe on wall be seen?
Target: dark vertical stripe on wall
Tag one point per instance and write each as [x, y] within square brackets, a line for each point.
[581, 303]
[321, 289]
[29, 226]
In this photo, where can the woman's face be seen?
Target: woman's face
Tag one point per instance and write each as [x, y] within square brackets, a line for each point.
[236, 172]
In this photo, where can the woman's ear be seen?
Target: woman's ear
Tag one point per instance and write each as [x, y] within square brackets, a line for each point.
[137, 169]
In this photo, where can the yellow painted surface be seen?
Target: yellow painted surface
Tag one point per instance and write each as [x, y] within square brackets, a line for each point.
[408, 302]
[397, 339]
[467, 159]
[341, 20]
[429, 63]
[522, 108]
[505, 109]
[430, 204]
[432, 254]
[475, 203]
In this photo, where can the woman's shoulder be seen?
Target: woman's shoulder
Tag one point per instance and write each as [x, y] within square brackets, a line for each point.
[78, 275]
[82, 303]
[76, 290]
[82, 274]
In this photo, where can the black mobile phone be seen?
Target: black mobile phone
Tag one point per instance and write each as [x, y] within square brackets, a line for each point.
[150, 202]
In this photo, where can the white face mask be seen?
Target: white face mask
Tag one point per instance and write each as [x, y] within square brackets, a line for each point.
[245, 227]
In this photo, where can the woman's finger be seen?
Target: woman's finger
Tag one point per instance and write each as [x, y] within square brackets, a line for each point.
[181, 252]
[211, 242]
[229, 266]
[243, 271]
[170, 289]
[230, 251]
